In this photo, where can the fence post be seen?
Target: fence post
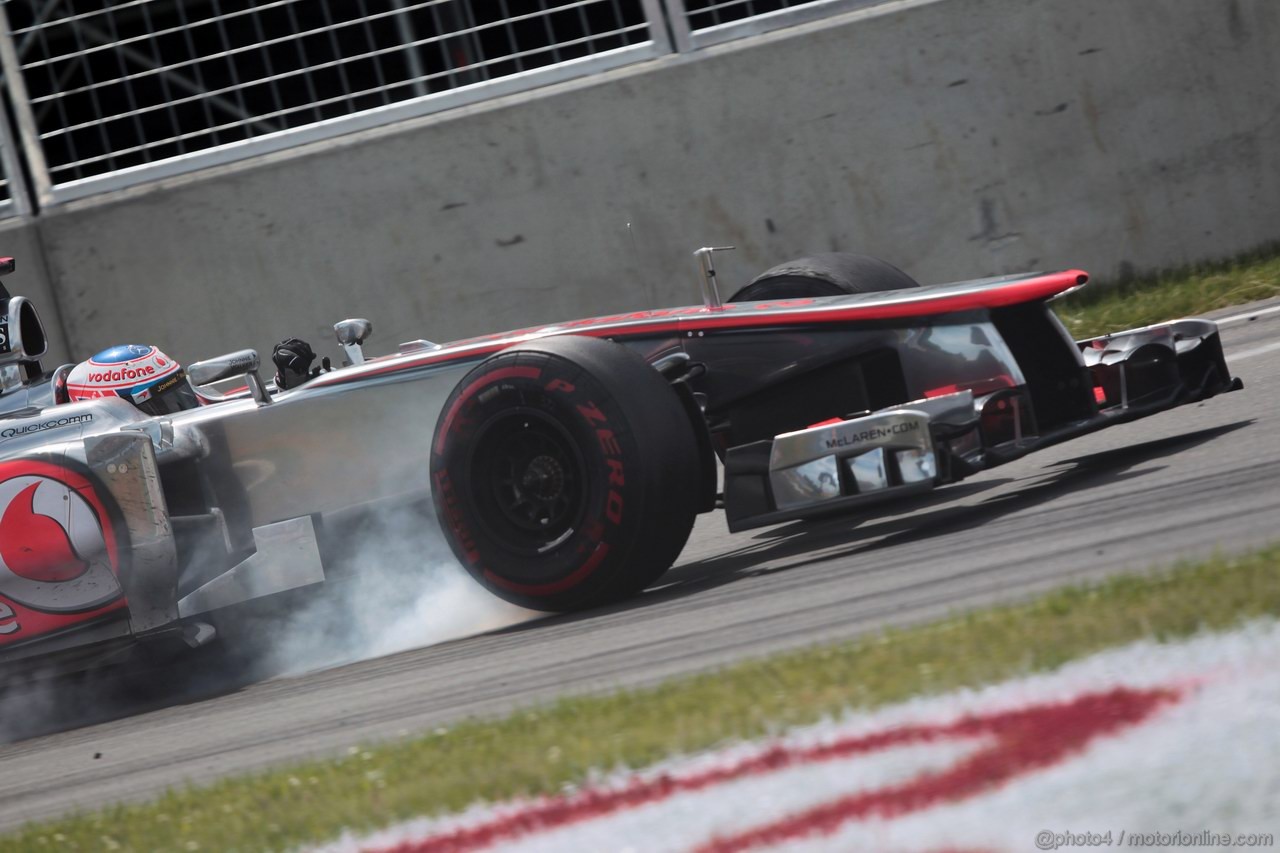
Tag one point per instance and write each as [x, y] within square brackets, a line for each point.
[658, 32]
[18, 97]
[19, 195]
[678, 18]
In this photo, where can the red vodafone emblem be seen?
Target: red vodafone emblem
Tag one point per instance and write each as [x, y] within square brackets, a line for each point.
[59, 560]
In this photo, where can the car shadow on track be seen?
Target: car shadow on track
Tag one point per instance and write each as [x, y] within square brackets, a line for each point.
[799, 544]
[1094, 470]
[38, 706]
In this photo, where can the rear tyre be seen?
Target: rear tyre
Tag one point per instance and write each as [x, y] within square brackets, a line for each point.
[565, 473]
[829, 274]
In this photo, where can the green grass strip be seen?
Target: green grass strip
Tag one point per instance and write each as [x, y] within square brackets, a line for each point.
[540, 750]
[1187, 292]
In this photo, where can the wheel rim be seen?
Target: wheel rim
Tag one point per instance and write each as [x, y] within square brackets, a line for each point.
[529, 483]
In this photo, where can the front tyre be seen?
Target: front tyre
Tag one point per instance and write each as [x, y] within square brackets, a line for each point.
[565, 473]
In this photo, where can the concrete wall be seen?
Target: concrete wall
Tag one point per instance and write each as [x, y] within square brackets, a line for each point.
[954, 138]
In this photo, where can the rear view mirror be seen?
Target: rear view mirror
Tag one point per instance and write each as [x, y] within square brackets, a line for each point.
[231, 366]
[351, 334]
[22, 337]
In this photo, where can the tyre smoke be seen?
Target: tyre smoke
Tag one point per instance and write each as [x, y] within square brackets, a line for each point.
[396, 587]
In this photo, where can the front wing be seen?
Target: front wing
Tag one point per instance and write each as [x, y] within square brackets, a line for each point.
[874, 459]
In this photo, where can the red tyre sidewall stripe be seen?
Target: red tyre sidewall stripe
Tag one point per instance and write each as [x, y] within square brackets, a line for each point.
[567, 582]
[595, 420]
[446, 423]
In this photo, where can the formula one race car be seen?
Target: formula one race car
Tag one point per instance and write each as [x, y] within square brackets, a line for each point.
[565, 463]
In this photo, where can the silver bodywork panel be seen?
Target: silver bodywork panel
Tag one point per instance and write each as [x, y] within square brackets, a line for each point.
[286, 558]
[125, 464]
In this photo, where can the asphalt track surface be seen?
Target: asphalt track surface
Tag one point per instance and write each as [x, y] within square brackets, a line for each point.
[1182, 484]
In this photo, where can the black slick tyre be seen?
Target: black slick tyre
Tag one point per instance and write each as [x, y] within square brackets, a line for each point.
[829, 274]
[564, 473]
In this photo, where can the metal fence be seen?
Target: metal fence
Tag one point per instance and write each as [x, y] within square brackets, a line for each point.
[697, 24]
[13, 193]
[111, 93]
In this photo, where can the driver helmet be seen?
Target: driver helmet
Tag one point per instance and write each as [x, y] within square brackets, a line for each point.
[143, 375]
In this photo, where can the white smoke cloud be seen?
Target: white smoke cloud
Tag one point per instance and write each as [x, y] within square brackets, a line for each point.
[398, 588]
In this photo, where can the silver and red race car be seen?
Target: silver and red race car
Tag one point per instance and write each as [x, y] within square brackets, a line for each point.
[565, 463]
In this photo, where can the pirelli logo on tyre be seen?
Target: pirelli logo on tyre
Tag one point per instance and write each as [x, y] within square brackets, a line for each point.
[59, 554]
[454, 517]
[608, 441]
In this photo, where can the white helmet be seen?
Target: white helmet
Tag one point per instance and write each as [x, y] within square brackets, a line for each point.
[143, 375]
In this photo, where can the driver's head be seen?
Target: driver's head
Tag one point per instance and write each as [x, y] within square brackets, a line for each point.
[143, 375]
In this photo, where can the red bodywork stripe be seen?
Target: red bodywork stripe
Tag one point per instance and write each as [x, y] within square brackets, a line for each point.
[941, 391]
[979, 387]
[747, 315]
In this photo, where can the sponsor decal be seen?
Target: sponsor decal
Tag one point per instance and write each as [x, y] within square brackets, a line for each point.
[160, 387]
[123, 374]
[4, 334]
[56, 423]
[58, 552]
[872, 434]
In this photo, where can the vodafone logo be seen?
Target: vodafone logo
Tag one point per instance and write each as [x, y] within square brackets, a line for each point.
[58, 554]
[123, 374]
